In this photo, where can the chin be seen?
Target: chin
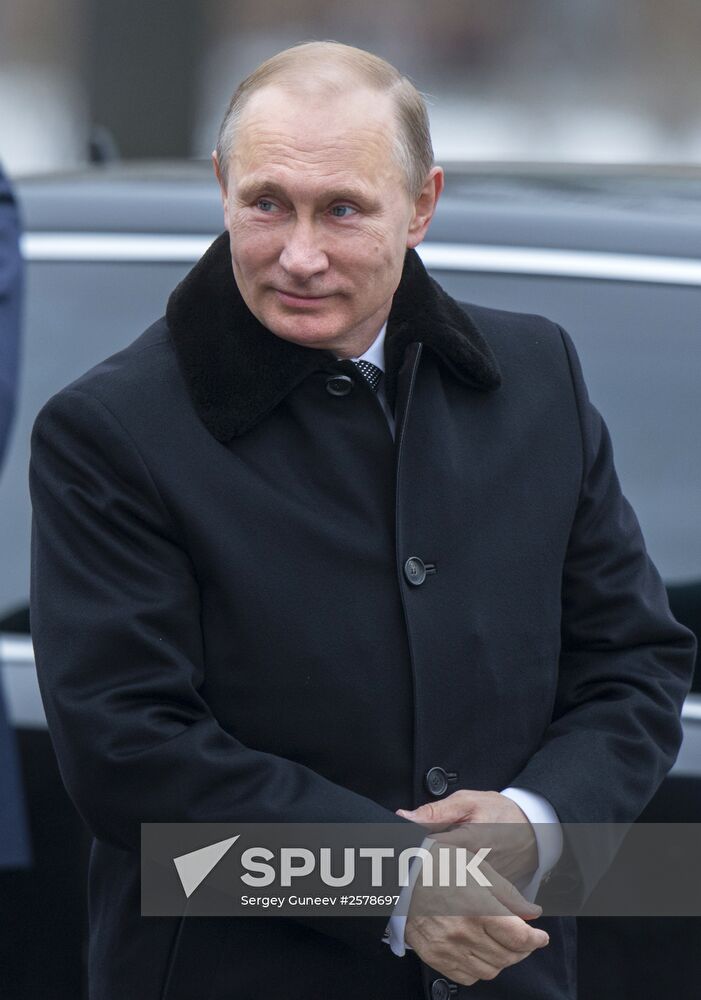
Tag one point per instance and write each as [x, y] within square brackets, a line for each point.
[310, 334]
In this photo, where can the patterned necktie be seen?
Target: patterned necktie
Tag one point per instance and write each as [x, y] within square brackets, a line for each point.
[370, 372]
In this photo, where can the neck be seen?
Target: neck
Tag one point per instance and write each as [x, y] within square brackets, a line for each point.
[359, 345]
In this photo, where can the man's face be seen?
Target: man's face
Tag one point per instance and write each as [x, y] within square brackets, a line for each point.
[319, 216]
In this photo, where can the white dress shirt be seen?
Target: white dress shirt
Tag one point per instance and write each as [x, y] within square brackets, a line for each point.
[537, 809]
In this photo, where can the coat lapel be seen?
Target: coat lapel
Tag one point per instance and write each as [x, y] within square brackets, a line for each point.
[237, 371]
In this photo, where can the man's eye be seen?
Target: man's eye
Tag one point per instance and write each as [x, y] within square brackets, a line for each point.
[342, 211]
[265, 205]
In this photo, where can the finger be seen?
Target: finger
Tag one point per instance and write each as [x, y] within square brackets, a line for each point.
[462, 976]
[514, 934]
[454, 808]
[496, 955]
[430, 815]
[509, 896]
[478, 965]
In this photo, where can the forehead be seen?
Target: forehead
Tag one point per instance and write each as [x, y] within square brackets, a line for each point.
[293, 132]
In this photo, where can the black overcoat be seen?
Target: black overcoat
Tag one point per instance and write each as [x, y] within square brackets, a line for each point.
[226, 630]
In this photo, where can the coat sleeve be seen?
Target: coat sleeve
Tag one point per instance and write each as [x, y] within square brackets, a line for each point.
[625, 663]
[120, 653]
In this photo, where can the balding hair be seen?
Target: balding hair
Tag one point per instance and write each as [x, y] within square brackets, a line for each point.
[330, 67]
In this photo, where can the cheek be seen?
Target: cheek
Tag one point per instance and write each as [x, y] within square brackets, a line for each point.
[381, 260]
[372, 247]
[386, 246]
[250, 250]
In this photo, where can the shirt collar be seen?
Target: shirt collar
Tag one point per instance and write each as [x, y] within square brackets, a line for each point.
[375, 353]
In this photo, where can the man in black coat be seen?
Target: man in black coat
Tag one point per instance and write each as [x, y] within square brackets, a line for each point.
[322, 545]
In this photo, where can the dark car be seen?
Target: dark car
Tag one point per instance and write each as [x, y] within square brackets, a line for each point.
[612, 254]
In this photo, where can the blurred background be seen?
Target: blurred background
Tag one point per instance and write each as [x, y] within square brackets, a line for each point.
[544, 79]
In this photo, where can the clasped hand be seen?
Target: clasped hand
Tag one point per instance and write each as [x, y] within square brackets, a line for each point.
[469, 933]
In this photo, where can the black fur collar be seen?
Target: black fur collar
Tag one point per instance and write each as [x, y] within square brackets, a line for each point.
[237, 370]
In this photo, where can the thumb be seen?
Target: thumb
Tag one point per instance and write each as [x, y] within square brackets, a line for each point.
[434, 812]
[509, 896]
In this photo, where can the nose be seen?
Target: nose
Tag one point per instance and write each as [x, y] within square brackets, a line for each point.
[302, 255]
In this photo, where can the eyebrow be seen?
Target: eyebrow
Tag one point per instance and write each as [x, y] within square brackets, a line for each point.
[248, 189]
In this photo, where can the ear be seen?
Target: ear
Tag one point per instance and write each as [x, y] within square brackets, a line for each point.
[425, 206]
[221, 180]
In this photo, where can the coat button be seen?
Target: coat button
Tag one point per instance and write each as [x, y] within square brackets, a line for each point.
[415, 570]
[339, 385]
[436, 781]
[441, 989]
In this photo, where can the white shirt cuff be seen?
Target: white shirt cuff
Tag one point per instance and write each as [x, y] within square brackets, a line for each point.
[548, 836]
[394, 935]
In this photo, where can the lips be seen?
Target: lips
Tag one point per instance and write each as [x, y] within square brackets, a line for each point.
[295, 299]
